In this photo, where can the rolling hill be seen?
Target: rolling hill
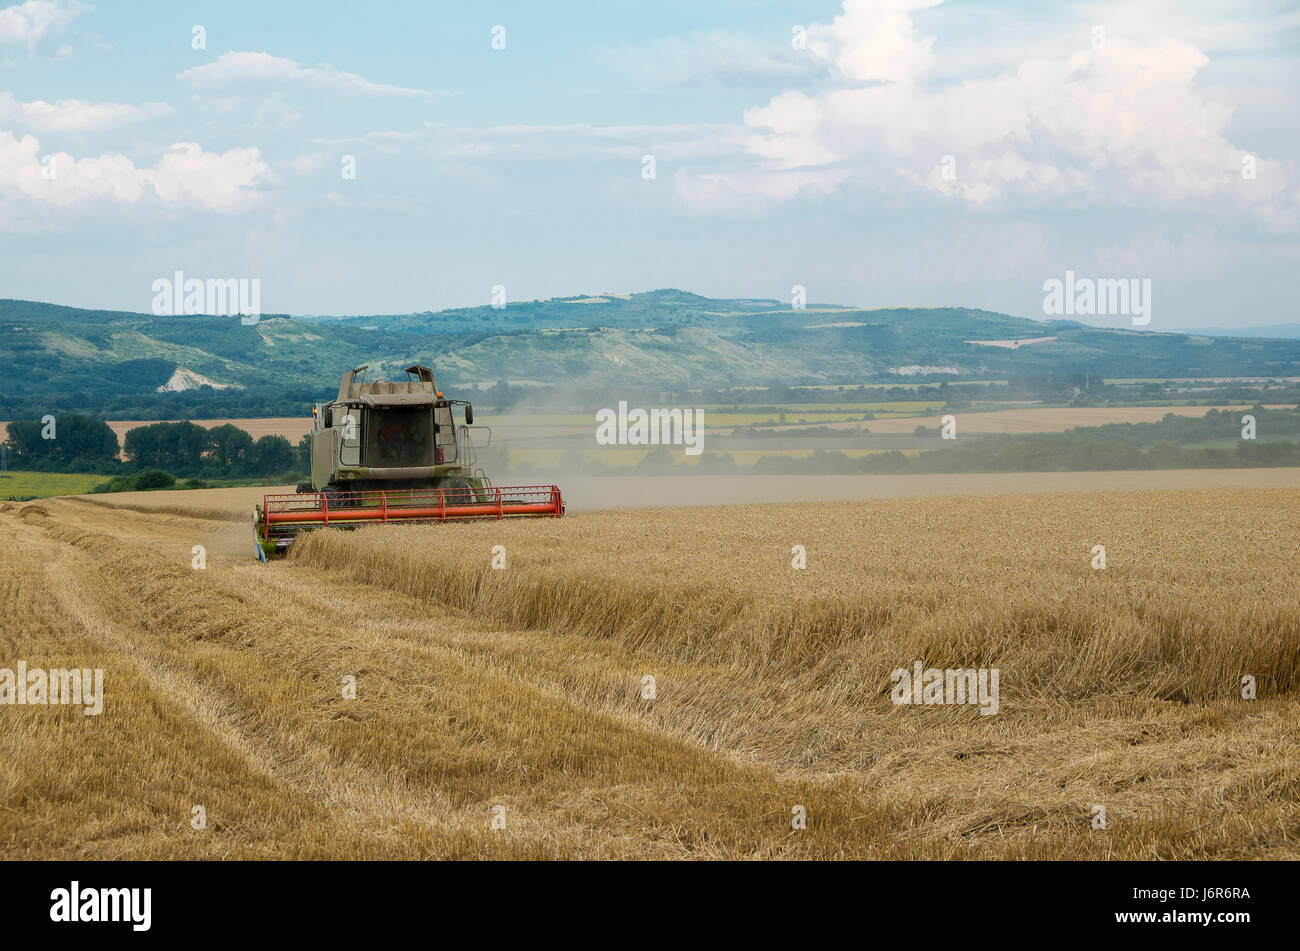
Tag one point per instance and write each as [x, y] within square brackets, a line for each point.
[111, 361]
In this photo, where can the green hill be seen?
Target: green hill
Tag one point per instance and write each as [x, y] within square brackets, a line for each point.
[114, 362]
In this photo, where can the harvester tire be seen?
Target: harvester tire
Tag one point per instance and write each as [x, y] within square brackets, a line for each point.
[338, 496]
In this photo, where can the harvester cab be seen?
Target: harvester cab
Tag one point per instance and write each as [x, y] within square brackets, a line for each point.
[391, 451]
[390, 435]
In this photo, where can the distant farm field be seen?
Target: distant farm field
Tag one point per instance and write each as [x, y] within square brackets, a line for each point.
[1036, 420]
[586, 493]
[44, 484]
[898, 417]
[663, 682]
[622, 457]
[727, 416]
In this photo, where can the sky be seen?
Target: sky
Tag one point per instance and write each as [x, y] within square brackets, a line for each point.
[396, 157]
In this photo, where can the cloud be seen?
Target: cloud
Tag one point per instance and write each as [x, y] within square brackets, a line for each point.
[1124, 124]
[717, 58]
[875, 40]
[261, 70]
[36, 20]
[23, 172]
[75, 115]
[524, 142]
[1209, 24]
[226, 183]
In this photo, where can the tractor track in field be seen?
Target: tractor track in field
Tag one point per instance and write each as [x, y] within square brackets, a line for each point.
[99, 584]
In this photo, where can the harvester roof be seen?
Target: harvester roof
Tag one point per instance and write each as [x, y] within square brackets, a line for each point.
[417, 389]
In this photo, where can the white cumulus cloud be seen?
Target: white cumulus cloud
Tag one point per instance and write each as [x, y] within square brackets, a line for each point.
[875, 40]
[1124, 124]
[225, 183]
[36, 20]
[186, 175]
[75, 115]
[247, 70]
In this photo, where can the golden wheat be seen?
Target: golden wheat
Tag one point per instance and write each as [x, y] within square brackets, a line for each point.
[524, 687]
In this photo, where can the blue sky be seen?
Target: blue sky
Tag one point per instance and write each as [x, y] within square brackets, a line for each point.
[782, 156]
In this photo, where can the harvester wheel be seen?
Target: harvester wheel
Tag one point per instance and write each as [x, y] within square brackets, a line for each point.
[450, 484]
[338, 496]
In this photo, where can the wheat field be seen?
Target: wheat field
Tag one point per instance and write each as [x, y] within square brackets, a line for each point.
[662, 682]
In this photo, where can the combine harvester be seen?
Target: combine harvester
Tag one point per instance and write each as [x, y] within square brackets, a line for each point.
[391, 452]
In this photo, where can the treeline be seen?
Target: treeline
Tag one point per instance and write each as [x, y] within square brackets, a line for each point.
[1215, 424]
[187, 449]
[79, 443]
[72, 443]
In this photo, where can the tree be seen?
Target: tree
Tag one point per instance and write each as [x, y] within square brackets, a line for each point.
[272, 455]
[232, 448]
[25, 440]
[178, 447]
[84, 437]
[302, 454]
[154, 479]
[78, 439]
[657, 461]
